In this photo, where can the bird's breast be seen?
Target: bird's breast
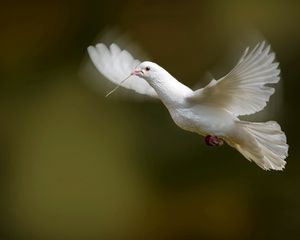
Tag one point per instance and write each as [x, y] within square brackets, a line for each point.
[183, 119]
[203, 120]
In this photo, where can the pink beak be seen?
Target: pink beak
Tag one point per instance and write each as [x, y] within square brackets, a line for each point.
[137, 72]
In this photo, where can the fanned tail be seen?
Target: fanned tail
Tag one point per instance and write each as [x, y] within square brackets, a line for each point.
[263, 143]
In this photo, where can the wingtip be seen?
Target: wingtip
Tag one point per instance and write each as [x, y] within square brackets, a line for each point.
[100, 45]
[114, 48]
[90, 48]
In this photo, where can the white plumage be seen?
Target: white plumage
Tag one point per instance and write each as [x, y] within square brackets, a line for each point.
[242, 91]
[212, 110]
[116, 65]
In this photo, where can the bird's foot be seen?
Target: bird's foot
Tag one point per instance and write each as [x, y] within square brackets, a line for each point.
[213, 141]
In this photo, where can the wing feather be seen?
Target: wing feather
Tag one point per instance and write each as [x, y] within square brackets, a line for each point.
[243, 90]
[116, 64]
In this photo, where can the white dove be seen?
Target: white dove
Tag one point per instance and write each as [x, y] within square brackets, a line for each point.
[211, 111]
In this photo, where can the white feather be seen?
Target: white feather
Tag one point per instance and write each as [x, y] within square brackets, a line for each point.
[243, 90]
[263, 143]
[116, 64]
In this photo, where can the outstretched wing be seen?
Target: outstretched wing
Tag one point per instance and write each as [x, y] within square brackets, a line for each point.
[116, 64]
[243, 90]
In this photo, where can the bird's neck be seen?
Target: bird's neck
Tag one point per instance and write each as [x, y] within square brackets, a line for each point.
[171, 92]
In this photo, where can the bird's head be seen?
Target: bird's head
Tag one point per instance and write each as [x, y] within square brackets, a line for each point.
[147, 70]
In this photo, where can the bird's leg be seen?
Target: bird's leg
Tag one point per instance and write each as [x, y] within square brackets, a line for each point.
[213, 141]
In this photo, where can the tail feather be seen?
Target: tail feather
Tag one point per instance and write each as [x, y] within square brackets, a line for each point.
[264, 143]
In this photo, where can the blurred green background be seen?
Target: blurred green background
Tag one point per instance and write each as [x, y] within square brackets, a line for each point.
[75, 165]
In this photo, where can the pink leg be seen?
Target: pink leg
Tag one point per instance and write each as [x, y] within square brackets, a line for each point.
[213, 141]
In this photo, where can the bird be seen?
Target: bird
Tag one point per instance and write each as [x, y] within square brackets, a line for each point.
[212, 111]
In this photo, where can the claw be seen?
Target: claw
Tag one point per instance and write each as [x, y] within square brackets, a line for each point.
[213, 141]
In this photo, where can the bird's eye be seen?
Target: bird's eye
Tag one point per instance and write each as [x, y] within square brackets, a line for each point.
[147, 68]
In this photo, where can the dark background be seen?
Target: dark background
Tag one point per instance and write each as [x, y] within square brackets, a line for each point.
[75, 165]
